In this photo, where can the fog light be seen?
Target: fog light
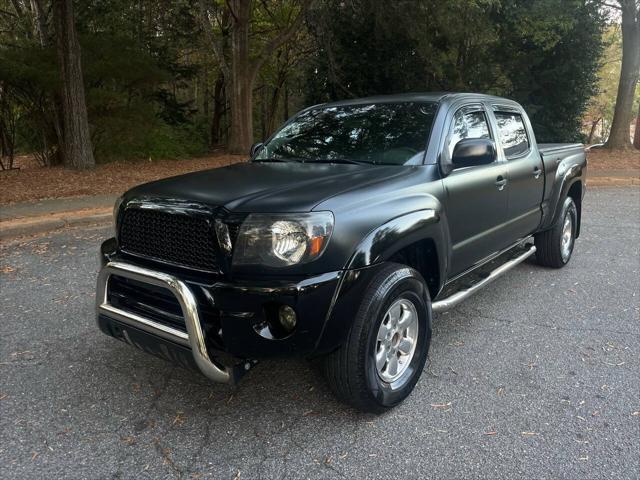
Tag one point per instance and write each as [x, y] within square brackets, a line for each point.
[287, 317]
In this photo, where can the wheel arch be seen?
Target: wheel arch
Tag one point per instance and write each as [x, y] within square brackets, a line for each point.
[571, 183]
[417, 239]
[575, 192]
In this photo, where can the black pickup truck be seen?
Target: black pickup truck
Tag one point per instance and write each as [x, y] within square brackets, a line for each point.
[347, 229]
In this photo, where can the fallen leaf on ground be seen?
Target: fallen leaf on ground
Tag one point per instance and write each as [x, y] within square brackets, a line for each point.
[179, 419]
[129, 440]
[19, 354]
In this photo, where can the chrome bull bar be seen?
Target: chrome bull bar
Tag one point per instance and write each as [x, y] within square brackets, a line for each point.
[193, 337]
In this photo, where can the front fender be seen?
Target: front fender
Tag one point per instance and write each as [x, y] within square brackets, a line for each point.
[391, 237]
[368, 257]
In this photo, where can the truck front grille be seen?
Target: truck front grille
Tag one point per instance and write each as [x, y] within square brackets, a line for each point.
[186, 240]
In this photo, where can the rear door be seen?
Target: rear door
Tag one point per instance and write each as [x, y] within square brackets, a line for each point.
[476, 196]
[526, 176]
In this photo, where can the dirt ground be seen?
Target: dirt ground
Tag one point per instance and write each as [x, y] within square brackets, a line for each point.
[33, 182]
[600, 159]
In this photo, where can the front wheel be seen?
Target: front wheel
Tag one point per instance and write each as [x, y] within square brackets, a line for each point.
[555, 246]
[385, 352]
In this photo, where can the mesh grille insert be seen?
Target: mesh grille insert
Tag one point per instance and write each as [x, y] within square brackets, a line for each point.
[176, 238]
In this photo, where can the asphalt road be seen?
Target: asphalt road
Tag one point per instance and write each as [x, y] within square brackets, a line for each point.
[537, 376]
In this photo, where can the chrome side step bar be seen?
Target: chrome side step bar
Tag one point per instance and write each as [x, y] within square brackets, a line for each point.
[193, 338]
[450, 302]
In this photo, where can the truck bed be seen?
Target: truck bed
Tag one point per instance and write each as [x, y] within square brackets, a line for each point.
[553, 148]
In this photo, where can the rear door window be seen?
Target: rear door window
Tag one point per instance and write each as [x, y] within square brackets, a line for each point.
[513, 134]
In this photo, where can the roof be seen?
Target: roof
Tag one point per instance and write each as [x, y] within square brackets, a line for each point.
[419, 97]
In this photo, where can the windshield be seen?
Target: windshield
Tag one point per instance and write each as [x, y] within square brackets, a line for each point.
[381, 133]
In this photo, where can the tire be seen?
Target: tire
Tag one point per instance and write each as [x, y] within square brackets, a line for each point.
[352, 371]
[552, 249]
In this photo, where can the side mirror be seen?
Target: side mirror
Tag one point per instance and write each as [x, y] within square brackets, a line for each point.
[254, 148]
[473, 151]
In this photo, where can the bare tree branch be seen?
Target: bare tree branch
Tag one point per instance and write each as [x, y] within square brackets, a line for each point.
[40, 23]
[233, 14]
[17, 7]
[280, 39]
[207, 26]
[8, 13]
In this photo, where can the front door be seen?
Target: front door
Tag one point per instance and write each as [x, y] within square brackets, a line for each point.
[476, 205]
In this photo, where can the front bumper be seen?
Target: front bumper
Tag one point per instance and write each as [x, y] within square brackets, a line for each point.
[194, 336]
[223, 331]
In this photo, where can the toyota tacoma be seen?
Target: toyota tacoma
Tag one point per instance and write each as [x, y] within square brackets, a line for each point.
[339, 239]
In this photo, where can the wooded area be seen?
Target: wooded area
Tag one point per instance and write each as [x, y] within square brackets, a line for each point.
[116, 79]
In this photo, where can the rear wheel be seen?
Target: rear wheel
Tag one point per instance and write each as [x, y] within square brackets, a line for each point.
[555, 246]
[383, 357]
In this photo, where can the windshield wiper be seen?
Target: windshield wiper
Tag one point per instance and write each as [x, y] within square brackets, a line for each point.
[321, 160]
[276, 160]
[339, 160]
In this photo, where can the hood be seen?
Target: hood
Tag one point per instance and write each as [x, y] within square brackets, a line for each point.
[266, 187]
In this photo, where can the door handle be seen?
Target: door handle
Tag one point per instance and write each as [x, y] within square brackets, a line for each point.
[501, 182]
[536, 172]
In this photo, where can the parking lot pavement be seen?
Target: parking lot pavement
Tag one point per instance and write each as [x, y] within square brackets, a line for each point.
[536, 376]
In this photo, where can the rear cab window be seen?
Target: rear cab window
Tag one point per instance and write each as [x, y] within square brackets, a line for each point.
[512, 133]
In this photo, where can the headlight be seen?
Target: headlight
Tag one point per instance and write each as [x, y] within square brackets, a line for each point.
[282, 240]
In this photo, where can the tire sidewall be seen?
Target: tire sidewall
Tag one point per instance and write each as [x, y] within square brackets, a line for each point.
[569, 208]
[411, 287]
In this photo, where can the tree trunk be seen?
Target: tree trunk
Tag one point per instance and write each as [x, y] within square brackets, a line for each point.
[619, 136]
[240, 76]
[636, 135]
[594, 124]
[219, 104]
[285, 110]
[272, 108]
[206, 98]
[77, 151]
[39, 24]
[263, 112]
[241, 85]
[6, 131]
